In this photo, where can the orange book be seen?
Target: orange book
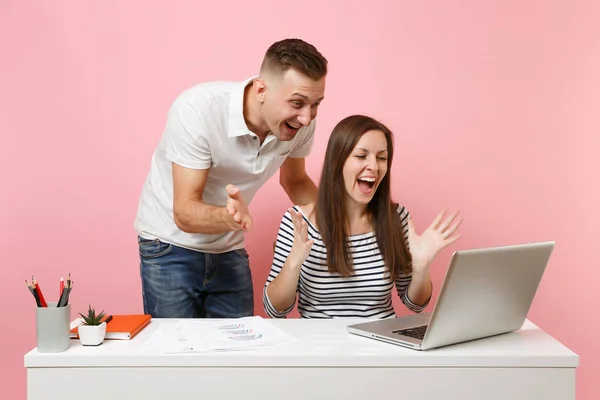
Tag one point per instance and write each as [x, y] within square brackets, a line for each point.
[122, 327]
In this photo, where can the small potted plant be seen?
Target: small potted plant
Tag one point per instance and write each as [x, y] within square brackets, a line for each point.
[93, 329]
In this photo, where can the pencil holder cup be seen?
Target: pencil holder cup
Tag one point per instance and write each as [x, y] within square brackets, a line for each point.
[52, 328]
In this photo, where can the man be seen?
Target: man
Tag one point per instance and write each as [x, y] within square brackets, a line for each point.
[221, 143]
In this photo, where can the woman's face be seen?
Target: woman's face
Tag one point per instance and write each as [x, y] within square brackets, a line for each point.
[365, 167]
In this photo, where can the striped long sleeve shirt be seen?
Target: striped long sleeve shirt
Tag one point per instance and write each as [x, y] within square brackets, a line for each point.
[321, 294]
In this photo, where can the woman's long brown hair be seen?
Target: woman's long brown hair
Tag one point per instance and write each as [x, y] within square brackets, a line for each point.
[330, 210]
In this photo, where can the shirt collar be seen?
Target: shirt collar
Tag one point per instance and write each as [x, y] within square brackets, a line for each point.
[237, 123]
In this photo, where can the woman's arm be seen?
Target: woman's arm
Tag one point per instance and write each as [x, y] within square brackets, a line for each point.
[291, 250]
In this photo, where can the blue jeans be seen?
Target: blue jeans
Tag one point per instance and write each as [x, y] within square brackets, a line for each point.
[182, 283]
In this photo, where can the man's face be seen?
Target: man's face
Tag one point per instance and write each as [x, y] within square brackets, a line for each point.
[291, 101]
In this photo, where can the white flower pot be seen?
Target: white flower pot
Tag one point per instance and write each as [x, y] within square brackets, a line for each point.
[91, 335]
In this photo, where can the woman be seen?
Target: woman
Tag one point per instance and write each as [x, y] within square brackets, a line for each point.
[343, 254]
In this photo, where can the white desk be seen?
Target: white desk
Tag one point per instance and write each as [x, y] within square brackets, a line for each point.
[326, 363]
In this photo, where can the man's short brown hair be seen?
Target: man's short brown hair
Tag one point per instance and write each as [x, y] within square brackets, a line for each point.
[295, 54]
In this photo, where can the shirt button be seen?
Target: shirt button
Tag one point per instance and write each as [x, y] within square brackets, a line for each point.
[254, 137]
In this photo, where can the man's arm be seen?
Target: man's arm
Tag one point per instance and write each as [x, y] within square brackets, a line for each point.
[295, 181]
[191, 214]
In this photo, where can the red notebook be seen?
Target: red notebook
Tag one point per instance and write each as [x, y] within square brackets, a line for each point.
[122, 327]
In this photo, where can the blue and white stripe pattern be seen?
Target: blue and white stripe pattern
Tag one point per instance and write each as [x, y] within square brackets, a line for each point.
[321, 294]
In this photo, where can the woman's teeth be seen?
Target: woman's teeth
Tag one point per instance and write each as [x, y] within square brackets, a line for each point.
[368, 181]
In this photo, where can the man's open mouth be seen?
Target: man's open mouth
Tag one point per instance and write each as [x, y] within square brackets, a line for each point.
[293, 126]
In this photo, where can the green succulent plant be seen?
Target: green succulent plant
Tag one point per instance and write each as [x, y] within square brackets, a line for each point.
[91, 318]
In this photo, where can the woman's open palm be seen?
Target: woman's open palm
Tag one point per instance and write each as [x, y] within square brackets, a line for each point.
[437, 236]
[302, 245]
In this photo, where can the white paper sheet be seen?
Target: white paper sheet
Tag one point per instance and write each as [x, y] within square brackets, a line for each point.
[235, 334]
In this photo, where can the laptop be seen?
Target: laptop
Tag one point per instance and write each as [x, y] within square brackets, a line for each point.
[486, 292]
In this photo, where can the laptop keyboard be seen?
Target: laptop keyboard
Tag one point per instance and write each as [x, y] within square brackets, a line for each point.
[417, 332]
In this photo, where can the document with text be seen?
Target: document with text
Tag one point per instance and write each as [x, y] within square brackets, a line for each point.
[235, 334]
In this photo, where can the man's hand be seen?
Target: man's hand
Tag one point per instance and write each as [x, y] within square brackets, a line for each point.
[237, 208]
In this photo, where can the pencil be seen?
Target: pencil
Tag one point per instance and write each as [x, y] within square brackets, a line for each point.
[69, 292]
[28, 286]
[36, 295]
[39, 290]
[63, 296]
[32, 292]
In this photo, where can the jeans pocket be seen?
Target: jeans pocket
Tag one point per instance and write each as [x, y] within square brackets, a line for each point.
[153, 248]
[242, 252]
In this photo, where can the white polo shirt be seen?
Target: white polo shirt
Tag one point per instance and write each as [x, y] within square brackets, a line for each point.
[206, 129]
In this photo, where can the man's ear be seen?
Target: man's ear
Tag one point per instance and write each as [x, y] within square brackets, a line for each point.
[259, 86]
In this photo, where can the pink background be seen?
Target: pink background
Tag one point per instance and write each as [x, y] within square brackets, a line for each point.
[495, 107]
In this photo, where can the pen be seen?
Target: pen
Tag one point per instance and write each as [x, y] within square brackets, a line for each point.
[62, 286]
[107, 320]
